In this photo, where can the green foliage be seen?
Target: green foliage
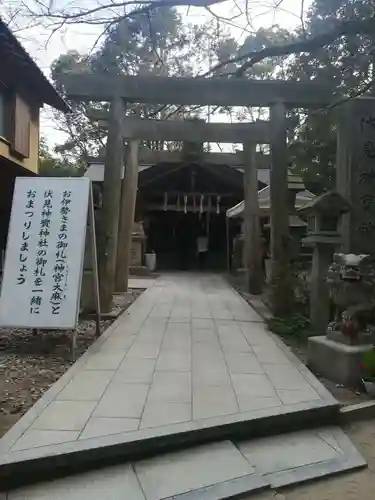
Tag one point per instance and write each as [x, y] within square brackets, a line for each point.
[263, 38]
[272, 67]
[52, 166]
[152, 42]
[346, 65]
[280, 291]
[291, 326]
[269, 68]
[157, 43]
[84, 139]
[301, 286]
[368, 365]
[313, 153]
[160, 45]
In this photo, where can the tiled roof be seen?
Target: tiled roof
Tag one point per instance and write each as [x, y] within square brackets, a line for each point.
[26, 71]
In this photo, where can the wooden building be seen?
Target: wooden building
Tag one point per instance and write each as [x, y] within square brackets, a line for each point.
[23, 92]
[180, 199]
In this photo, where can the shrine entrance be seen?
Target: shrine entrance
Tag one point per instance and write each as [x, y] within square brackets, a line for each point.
[173, 237]
[180, 204]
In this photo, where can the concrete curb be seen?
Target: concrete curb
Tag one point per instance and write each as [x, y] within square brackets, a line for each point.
[357, 412]
[24, 467]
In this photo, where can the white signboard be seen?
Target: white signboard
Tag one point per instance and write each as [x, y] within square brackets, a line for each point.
[44, 257]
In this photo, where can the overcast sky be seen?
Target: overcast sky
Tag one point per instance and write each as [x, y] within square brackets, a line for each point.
[45, 48]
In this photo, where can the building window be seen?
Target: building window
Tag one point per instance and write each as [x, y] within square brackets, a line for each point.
[21, 128]
[5, 115]
[15, 122]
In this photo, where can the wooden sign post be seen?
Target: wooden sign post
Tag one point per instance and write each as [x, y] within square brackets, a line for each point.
[41, 286]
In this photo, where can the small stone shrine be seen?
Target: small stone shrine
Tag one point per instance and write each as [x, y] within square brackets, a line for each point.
[139, 239]
[296, 225]
[338, 354]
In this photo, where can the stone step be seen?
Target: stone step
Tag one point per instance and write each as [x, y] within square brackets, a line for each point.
[216, 471]
[32, 464]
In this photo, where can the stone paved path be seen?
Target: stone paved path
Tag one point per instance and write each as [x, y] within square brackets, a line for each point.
[211, 472]
[189, 349]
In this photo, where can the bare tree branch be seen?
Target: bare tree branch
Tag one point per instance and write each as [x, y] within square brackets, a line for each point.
[228, 21]
[302, 13]
[357, 93]
[88, 15]
[309, 45]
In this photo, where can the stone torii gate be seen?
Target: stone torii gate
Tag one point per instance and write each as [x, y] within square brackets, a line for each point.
[278, 95]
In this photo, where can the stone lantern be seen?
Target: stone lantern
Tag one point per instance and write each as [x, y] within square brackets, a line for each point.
[295, 185]
[296, 225]
[323, 216]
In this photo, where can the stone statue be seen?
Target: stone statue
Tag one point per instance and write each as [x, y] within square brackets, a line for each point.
[351, 281]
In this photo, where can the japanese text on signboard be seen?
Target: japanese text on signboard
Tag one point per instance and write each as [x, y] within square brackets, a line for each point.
[45, 272]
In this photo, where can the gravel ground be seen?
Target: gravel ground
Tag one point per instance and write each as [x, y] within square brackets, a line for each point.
[349, 486]
[31, 363]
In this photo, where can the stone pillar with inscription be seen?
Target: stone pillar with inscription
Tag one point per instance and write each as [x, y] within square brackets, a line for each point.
[356, 173]
[137, 251]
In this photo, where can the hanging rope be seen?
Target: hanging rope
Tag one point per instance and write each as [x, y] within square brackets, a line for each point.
[218, 198]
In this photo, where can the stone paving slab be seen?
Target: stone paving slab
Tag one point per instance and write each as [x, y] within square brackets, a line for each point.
[173, 474]
[113, 483]
[189, 354]
[211, 472]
